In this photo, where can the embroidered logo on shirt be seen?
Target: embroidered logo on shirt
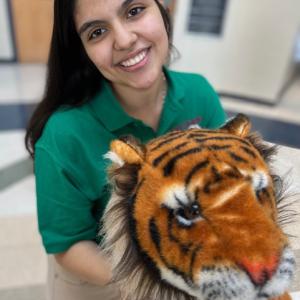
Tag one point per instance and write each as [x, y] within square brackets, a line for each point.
[194, 123]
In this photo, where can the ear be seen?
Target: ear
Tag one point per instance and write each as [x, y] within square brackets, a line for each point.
[240, 125]
[126, 150]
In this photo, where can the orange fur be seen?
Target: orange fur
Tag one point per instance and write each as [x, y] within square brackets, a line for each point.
[283, 297]
[200, 199]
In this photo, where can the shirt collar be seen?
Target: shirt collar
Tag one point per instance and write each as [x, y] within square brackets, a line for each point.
[108, 110]
[175, 90]
[173, 102]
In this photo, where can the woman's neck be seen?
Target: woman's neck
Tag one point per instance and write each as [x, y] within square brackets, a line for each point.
[145, 105]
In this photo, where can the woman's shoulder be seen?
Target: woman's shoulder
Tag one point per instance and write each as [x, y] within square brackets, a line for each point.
[64, 128]
[63, 121]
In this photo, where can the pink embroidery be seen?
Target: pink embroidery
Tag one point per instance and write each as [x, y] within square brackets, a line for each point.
[189, 123]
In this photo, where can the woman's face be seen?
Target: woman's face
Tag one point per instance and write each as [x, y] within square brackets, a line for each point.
[125, 39]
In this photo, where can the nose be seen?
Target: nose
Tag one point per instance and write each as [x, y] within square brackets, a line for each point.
[124, 37]
[260, 272]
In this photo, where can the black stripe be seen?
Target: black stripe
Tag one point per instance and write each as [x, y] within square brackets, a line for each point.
[196, 135]
[234, 172]
[131, 209]
[195, 169]
[217, 178]
[209, 131]
[172, 133]
[266, 192]
[154, 233]
[218, 147]
[258, 195]
[193, 259]
[167, 135]
[217, 175]
[206, 188]
[185, 248]
[167, 141]
[148, 261]
[197, 191]
[155, 236]
[168, 168]
[179, 202]
[263, 295]
[158, 159]
[223, 138]
[237, 157]
[139, 185]
[249, 151]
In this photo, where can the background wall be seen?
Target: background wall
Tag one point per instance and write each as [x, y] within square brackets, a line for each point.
[253, 54]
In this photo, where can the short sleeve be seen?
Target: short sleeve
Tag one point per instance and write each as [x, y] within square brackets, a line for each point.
[64, 212]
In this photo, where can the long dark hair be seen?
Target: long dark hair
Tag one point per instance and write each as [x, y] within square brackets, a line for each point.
[72, 78]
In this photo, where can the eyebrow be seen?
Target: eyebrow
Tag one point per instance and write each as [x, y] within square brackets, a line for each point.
[92, 23]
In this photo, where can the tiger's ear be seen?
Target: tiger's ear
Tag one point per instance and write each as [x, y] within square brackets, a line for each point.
[240, 125]
[126, 150]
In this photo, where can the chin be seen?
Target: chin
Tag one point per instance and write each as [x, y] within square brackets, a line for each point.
[148, 81]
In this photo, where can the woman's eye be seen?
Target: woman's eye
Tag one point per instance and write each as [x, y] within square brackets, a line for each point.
[96, 33]
[135, 11]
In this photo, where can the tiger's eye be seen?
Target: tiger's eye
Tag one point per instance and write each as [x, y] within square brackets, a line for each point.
[180, 212]
[195, 210]
[188, 212]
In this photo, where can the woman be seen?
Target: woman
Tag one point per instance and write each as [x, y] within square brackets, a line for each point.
[106, 78]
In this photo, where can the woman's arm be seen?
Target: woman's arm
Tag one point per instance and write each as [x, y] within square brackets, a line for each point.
[86, 261]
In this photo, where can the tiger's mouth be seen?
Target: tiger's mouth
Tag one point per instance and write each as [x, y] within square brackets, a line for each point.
[233, 283]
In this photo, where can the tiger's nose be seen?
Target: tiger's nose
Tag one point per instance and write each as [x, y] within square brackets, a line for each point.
[260, 272]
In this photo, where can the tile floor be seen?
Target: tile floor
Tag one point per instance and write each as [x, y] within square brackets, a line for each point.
[23, 262]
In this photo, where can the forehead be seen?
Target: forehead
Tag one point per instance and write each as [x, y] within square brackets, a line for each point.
[82, 6]
[102, 8]
[86, 9]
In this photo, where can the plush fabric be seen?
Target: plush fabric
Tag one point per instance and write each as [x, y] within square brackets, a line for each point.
[195, 214]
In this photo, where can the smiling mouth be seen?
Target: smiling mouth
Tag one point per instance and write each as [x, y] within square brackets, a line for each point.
[134, 60]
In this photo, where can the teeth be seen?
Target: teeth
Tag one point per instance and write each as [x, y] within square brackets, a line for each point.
[135, 60]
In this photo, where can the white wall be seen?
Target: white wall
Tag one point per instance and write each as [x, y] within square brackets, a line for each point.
[6, 44]
[254, 53]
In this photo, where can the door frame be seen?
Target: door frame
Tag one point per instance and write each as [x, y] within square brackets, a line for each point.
[12, 35]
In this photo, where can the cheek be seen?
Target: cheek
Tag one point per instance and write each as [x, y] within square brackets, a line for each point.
[101, 56]
[155, 31]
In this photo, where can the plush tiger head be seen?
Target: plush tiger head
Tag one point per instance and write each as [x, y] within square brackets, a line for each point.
[193, 216]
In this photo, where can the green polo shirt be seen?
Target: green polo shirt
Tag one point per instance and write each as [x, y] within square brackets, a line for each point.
[71, 183]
